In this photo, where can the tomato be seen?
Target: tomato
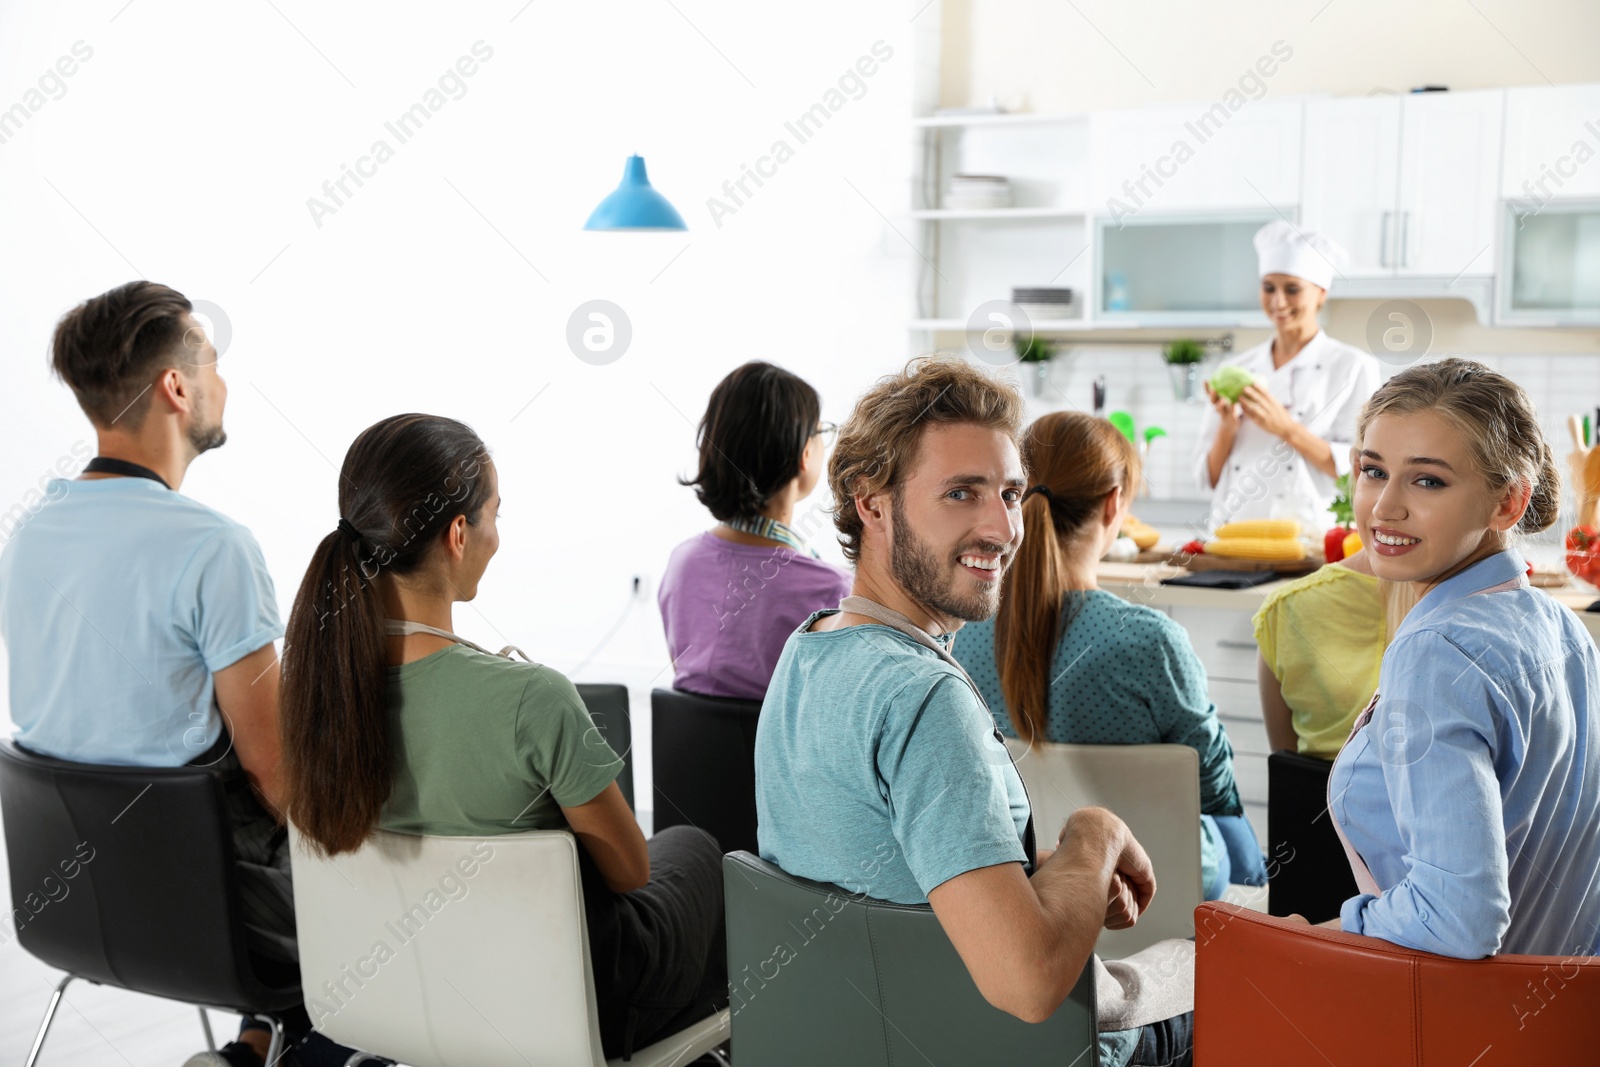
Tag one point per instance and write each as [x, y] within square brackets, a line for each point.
[1333, 543]
[1193, 548]
[1583, 553]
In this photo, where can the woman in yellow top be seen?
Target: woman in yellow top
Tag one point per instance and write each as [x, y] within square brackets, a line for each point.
[1322, 639]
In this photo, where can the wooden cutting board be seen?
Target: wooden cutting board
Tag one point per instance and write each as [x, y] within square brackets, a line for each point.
[1216, 563]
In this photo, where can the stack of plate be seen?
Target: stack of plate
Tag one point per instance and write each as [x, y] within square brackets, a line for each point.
[977, 192]
[1043, 303]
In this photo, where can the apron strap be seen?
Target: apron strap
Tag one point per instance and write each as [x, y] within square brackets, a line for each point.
[860, 605]
[1364, 880]
[404, 627]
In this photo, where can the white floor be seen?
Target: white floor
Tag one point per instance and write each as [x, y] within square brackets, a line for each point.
[94, 1026]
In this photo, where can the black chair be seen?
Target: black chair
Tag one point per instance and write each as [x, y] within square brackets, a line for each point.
[1310, 874]
[125, 876]
[703, 758]
[608, 707]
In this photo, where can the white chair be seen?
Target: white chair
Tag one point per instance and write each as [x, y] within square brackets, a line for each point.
[1155, 789]
[455, 951]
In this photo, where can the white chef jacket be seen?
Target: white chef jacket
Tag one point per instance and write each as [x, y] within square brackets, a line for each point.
[1324, 387]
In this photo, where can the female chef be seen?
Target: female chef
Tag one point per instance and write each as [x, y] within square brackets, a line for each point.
[1276, 452]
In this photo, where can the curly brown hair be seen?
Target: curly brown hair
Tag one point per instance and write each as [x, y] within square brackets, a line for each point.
[879, 442]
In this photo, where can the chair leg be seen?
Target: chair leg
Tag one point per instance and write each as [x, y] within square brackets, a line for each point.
[205, 1024]
[275, 1048]
[49, 1016]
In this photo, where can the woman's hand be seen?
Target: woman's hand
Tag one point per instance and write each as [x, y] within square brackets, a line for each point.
[1263, 409]
[1227, 412]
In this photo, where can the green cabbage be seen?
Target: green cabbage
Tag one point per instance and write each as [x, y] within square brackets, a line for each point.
[1229, 382]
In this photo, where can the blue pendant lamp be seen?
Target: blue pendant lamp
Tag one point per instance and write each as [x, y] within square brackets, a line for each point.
[635, 205]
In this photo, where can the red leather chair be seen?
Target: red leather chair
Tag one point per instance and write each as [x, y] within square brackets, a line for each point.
[1269, 991]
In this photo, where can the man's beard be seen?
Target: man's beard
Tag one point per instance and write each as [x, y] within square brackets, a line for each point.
[205, 438]
[917, 569]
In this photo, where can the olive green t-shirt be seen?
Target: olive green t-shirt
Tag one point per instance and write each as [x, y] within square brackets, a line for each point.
[489, 745]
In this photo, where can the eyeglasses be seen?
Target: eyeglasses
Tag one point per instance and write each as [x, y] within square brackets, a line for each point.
[828, 431]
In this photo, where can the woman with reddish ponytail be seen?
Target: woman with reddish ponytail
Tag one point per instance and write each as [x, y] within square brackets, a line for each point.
[1066, 662]
[392, 721]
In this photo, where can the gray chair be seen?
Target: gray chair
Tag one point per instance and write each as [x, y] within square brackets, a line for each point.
[819, 976]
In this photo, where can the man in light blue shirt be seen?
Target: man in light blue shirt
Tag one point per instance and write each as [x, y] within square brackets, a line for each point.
[139, 624]
[1472, 793]
[878, 766]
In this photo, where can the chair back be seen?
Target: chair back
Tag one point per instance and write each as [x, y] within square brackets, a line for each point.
[126, 876]
[819, 976]
[1310, 871]
[608, 707]
[1155, 789]
[1269, 991]
[703, 759]
[438, 951]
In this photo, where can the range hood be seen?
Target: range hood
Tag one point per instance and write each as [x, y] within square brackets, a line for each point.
[1477, 290]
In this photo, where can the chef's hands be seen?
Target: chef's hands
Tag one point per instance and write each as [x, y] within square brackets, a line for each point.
[1263, 409]
[1227, 411]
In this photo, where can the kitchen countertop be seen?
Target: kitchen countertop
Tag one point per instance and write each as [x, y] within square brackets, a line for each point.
[1141, 583]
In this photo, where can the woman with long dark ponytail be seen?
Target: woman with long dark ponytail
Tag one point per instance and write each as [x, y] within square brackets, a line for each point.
[391, 721]
[1063, 661]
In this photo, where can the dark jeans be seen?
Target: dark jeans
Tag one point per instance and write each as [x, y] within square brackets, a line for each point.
[659, 953]
[266, 898]
[1168, 1043]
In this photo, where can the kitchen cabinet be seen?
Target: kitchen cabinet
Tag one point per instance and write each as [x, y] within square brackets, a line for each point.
[1196, 157]
[1552, 141]
[1551, 270]
[1179, 270]
[1550, 183]
[1406, 183]
[1352, 175]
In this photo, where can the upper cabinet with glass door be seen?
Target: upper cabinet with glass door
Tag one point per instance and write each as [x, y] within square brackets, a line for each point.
[1550, 184]
[1178, 192]
[1406, 183]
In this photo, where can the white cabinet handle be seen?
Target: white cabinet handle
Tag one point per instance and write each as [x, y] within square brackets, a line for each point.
[1223, 642]
[1384, 226]
[1405, 238]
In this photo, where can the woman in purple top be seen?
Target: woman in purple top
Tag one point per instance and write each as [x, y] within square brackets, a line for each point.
[731, 596]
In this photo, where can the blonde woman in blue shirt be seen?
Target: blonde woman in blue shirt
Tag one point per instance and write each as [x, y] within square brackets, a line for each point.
[1468, 791]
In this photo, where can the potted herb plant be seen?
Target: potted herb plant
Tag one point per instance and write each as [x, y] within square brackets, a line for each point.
[1035, 354]
[1183, 358]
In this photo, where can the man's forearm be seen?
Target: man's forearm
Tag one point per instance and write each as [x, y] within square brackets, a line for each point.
[1073, 888]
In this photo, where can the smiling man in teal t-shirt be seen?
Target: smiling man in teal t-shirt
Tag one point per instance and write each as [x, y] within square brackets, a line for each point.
[877, 764]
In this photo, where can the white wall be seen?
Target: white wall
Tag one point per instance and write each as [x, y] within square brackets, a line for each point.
[185, 149]
[1043, 55]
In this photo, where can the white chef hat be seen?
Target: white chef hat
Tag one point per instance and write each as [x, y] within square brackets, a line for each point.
[1285, 249]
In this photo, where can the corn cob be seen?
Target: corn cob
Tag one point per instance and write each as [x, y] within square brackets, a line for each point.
[1273, 528]
[1144, 536]
[1264, 549]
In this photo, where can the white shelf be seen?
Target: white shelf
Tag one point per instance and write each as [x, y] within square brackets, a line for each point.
[1025, 118]
[1039, 325]
[999, 214]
